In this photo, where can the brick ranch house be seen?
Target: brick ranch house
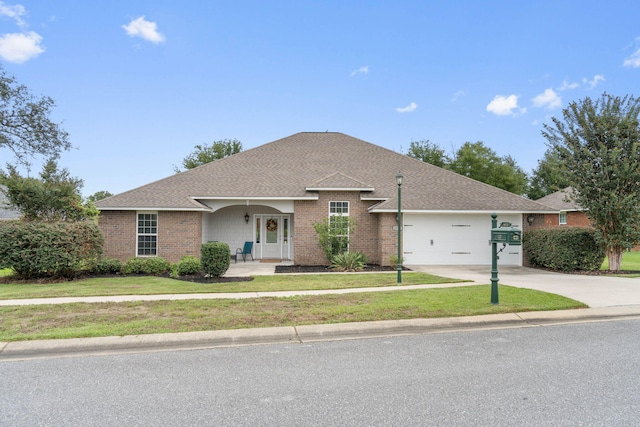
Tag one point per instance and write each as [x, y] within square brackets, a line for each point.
[273, 194]
[568, 213]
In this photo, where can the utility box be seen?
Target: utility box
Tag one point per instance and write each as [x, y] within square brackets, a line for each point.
[506, 234]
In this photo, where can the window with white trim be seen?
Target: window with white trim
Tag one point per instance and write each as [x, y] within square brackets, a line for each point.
[339, 225]
[147, 243]
[563, 218]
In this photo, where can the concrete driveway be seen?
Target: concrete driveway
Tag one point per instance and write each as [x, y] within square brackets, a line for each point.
[595, 291]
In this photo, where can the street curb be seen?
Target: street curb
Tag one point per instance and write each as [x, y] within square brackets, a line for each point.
[302, 334]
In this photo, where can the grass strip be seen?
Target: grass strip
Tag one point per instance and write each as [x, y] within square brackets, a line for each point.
[133, 318]
[147, 285]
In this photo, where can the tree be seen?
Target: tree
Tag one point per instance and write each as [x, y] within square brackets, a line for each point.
[203, 154]
[25, 126]
[99, 195]
[428, 152]
[477, 161]
[599, 142]
[549, 177]
[53, 197]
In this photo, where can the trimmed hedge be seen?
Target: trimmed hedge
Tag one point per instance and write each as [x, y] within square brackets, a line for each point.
[107, 266]
[564, 248]
[187, 265]
[153, 266]
[49, 249]
[215, 258]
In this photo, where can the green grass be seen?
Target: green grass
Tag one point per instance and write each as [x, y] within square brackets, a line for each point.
[5, 272]
[630, 262]
[114, 319]
[146, 285]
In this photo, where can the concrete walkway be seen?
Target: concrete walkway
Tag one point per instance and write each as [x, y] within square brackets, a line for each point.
[608, 297]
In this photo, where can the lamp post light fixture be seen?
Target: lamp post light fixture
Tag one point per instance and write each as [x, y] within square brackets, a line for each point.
[399, 220]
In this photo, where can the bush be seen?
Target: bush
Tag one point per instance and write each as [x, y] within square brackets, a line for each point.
[152, 266]
[565, 248]
[133, 266]
[188, 265]
[155, 266]
[349, 261]
[215, 258]
[107, 266]
[48, 249]
[393, 261]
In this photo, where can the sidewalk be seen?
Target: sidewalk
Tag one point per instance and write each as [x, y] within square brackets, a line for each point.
[608, 298]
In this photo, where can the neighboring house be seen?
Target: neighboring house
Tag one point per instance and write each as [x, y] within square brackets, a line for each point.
[273, 194]
[6, 213]
[568, 212]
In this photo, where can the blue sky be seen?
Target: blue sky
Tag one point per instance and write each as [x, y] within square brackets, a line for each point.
[139, 83]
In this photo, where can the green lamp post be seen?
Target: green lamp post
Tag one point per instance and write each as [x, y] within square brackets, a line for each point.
[399, 219]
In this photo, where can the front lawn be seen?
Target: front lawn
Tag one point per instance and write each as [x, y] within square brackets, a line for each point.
[148, 285]
[77, 320]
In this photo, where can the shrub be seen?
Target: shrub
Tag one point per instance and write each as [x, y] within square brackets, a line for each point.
[107, 266]
[151, 266]
[188, 265]
[333, 234]
[215, 258]
[393, 261]
[155, 266]
[133, 266]
[565, 248]
[48, 249]
[349, 261]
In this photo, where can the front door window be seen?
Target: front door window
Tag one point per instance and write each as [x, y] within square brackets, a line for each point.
[272, 230]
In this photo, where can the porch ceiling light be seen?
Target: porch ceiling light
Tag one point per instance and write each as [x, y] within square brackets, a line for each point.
[246, 217]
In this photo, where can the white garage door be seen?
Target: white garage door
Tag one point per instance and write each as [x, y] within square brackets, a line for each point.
[440, 239]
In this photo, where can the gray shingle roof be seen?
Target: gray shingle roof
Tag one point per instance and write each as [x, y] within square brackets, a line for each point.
[560, 200]
[288, 167]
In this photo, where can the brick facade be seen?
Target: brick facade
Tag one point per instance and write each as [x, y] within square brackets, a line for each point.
[179, 234]
[119, 231]
[307, 250]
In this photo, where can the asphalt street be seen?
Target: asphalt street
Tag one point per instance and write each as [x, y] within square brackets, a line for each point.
[553, 375]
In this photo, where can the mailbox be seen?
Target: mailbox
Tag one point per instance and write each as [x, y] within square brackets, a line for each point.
[506, 234]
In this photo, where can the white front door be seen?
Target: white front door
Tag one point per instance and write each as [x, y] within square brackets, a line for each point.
[274, 236]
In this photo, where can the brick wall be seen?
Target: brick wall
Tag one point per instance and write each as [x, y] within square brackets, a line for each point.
[119, 231]
[307, 250]
[179, 234]
[387, 237]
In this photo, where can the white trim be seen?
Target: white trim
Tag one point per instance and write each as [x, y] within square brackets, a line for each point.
[253, 198]
[154, 208]
[417, 211]
[339, 189]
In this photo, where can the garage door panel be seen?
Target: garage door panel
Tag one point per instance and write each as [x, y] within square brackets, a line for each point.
[454, 239]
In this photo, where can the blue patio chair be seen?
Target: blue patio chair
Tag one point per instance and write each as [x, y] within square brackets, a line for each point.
[244, 251]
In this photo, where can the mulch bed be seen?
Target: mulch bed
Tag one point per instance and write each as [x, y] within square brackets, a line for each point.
[286, 269]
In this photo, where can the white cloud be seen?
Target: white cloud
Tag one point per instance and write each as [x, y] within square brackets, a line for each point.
[144, 29]
[568, 86]
[505, 106]
[20, 47]
[548, 99]
[594, 81]
[458, 94]
[14, 12]
[361, 70]
[408, 109]
[634, 60]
